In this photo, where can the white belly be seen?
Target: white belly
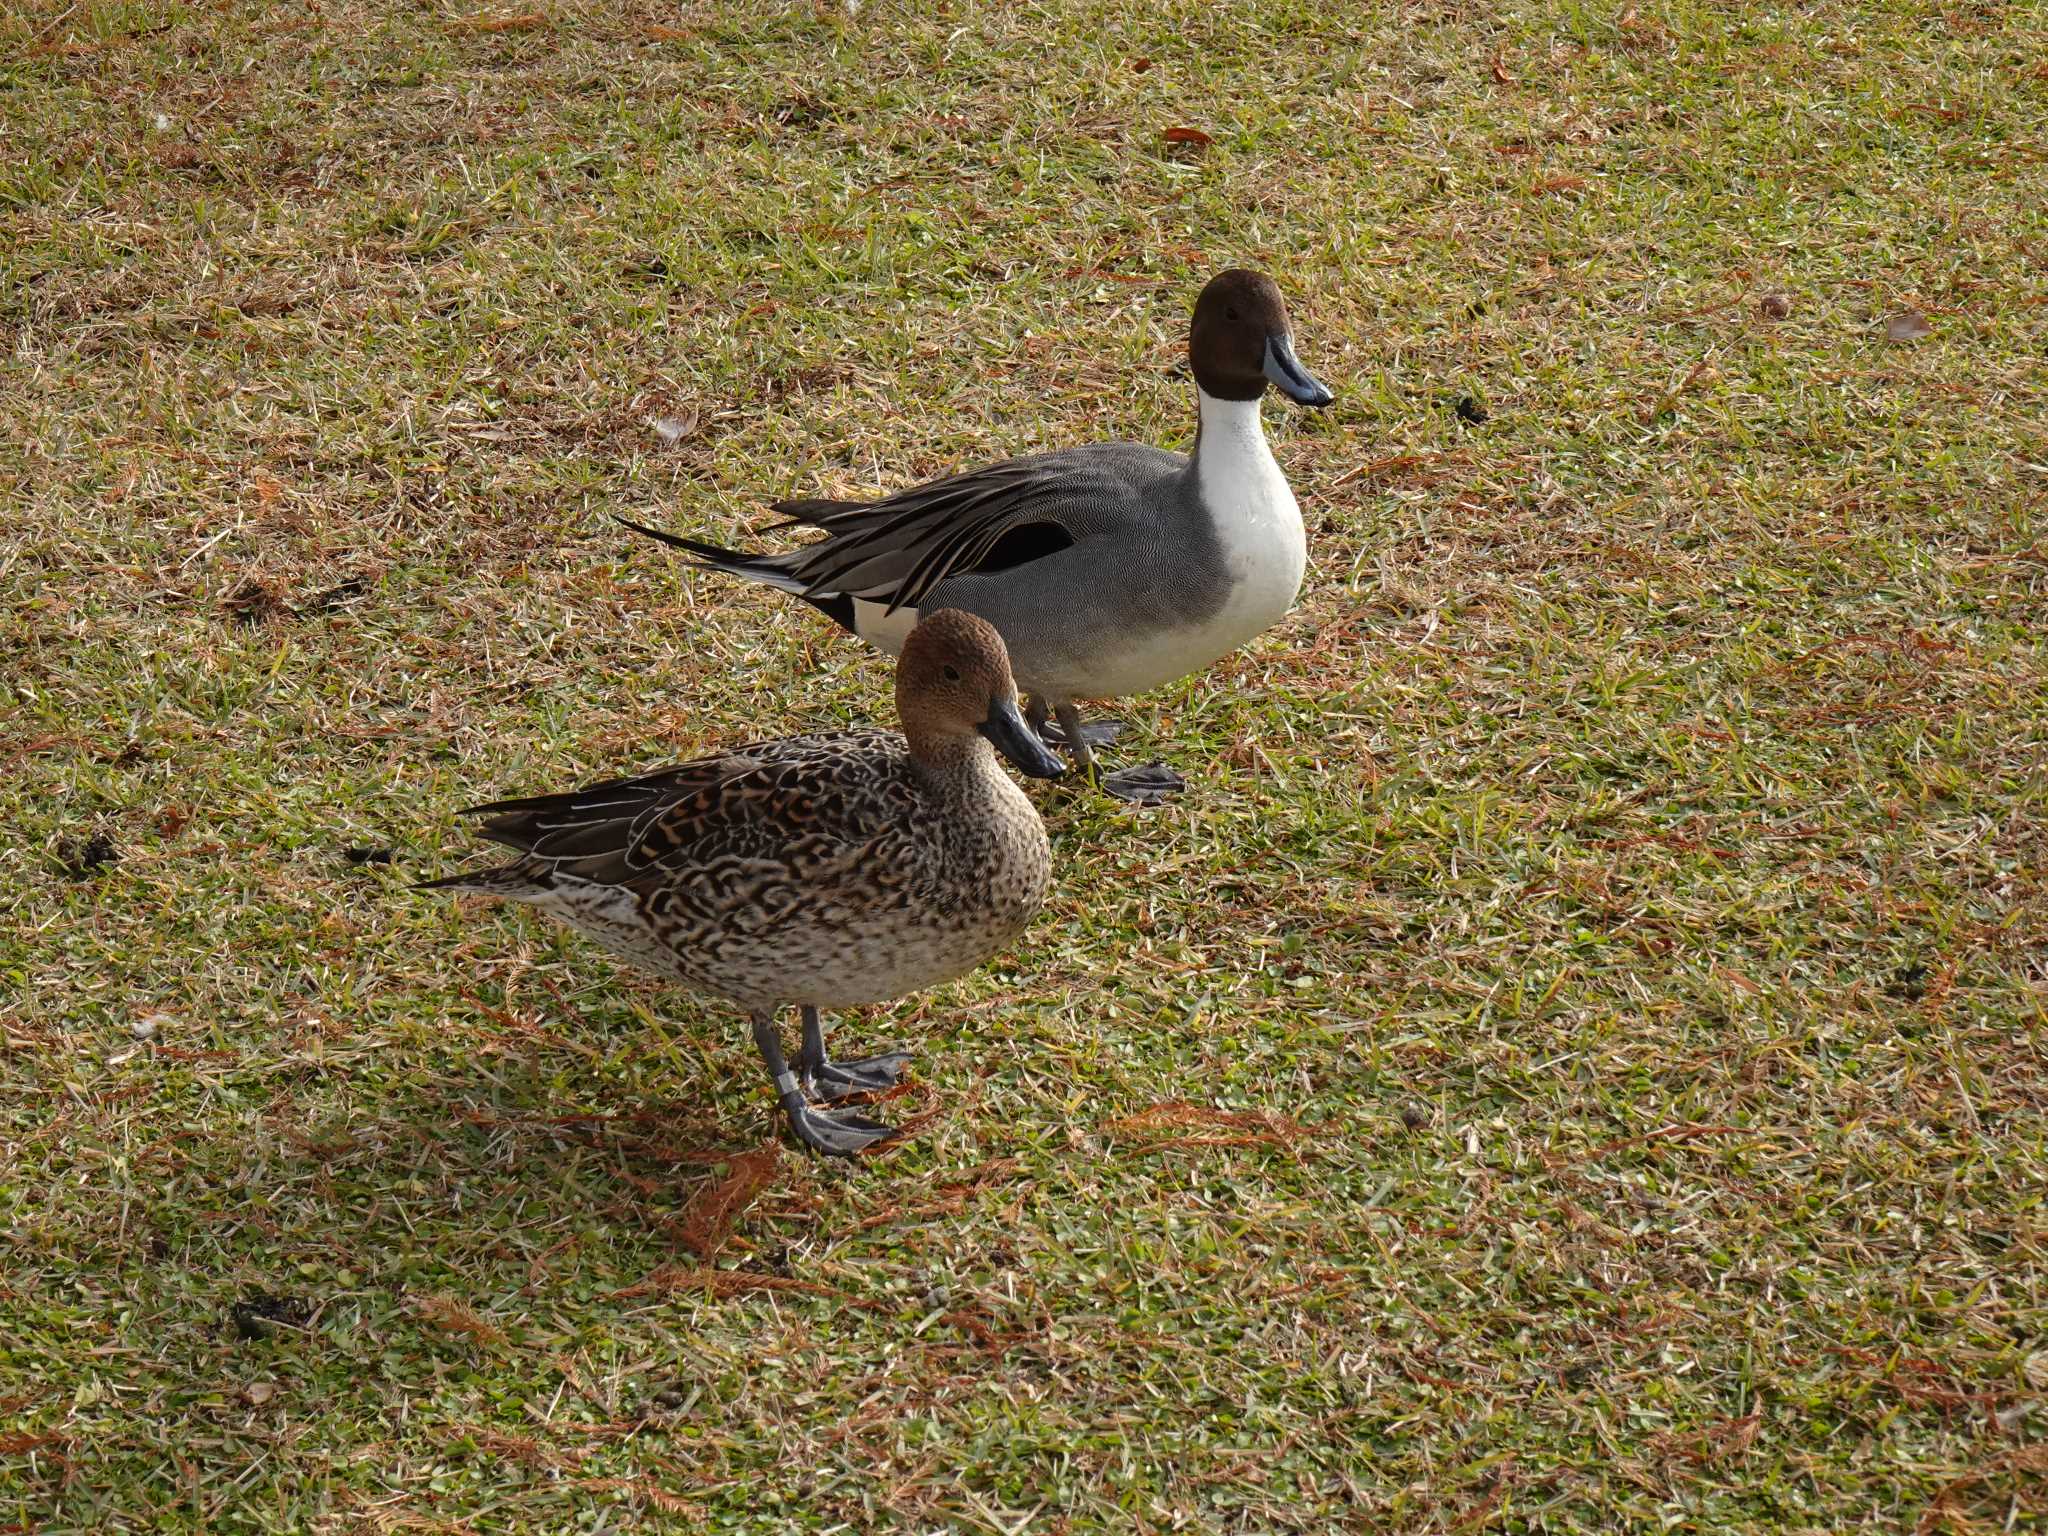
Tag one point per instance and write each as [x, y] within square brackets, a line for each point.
[1264, 548]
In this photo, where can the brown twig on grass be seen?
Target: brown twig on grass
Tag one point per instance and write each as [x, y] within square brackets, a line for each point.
[1232, 1129]
[452, 1315]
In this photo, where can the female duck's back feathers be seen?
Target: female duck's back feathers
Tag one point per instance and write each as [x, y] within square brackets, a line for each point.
[758, 798]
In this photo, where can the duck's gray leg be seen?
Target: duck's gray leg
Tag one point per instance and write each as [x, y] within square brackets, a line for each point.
[1147, 785]
[1097, 733]
[826, 1080]
[838, 1135]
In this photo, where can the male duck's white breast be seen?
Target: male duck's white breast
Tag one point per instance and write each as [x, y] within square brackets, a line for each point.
[884, 630]
[1260, 545]
[1257, 523]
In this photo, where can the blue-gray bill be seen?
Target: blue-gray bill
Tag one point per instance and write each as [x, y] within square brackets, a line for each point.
[1018, 742]
[1287, 375]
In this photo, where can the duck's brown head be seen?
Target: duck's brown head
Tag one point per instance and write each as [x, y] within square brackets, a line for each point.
[1241, 341]
[953, 682]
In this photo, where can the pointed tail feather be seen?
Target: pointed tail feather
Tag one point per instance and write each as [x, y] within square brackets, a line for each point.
[766, 569]
[714, 554]
[815, 511]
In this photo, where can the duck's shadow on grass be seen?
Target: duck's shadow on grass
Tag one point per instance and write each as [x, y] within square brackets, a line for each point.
[507, 1173]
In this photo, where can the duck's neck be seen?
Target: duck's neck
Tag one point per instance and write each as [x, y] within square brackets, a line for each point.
[960, 766]
[1231, 439]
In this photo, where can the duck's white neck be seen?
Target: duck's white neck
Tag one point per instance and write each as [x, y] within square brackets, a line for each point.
[1251, 508]
[1232, 430]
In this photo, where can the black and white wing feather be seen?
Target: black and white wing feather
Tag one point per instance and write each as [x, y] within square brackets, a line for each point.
[895, 551]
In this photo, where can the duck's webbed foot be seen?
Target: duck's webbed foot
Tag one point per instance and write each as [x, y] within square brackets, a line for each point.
[1148, 785]
[840, 1133]
[831, 1081]
[1095, 733]
[836, 1133]
[828, 1081]
[1068, 731]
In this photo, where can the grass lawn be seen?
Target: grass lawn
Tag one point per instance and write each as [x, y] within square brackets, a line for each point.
[1576, 1062]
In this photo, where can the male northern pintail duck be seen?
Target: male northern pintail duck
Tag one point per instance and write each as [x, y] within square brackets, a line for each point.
[816, 871]
[1109, 569]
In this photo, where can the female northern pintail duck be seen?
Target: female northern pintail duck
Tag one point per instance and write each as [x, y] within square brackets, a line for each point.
[1109, 569]
[816, 871]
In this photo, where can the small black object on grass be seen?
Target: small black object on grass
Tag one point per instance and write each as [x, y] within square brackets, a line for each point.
[259, 1314]
[252, 603]
[338, 597]
[1469, 410]
[81, 861]
[361, 856]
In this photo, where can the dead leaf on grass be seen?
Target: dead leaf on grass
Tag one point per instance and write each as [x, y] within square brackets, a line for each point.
[1907, 325]
[21, 1442]
[1193, 136]
[452, 1315]
[707, 1221]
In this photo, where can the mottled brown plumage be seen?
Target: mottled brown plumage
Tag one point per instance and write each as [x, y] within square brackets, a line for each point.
[816, 871]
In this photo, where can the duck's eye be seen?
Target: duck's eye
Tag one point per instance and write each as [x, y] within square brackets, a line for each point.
[952, 674]
[1230, 314]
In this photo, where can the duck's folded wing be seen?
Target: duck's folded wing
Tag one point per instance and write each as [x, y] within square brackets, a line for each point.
[777, 800]
[896, 550]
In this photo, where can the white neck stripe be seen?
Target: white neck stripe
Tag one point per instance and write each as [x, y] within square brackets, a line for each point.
[1230, 418]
